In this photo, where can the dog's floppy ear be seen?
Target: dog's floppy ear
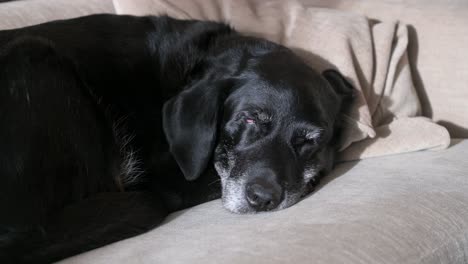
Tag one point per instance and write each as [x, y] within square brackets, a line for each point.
[342, 88]
[346, 93]
[190, 122]
[339, 83]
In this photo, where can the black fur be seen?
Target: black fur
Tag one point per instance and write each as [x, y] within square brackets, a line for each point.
[108, 123]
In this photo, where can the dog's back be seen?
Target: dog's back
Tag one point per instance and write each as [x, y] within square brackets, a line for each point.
[59, 143]
[81, 138]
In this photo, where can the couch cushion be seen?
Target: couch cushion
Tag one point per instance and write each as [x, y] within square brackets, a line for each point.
[25, 13]
[438, 41]
[409, 208]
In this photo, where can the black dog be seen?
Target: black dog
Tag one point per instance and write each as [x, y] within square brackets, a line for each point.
[108, 123]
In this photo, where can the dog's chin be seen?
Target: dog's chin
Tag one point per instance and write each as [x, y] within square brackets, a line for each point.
[237, 209]
[240, 206]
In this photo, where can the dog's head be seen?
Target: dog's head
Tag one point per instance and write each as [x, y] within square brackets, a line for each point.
[265, 119]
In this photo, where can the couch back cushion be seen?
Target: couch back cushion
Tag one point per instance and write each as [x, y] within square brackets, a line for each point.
[26, 13]
[438, 49]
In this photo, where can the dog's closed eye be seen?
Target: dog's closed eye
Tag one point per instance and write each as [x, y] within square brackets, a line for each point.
[254, 117]
[250, 121]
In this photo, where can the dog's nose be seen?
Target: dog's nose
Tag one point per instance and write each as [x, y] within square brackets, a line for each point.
[262, 196]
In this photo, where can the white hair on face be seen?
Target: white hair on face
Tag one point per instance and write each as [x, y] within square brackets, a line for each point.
[233, 192]
[315, 134]
[308, 174]
[234, 196]
[225, 172]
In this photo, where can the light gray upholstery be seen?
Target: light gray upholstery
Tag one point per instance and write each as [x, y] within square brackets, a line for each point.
[408, 208]
[26, 13]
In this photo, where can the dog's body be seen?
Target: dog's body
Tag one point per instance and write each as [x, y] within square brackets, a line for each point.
[110, 122]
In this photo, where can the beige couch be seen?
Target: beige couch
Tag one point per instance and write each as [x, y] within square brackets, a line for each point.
[406, 208]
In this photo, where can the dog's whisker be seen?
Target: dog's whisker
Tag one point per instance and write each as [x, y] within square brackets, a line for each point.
[218, 180]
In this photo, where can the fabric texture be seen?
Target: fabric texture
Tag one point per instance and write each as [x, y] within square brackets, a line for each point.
[371, 54]
[438, 37]
[408, 208]
[26, 13]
